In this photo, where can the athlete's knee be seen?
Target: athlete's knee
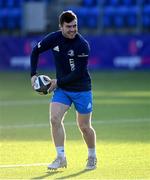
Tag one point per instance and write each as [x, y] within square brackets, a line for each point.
[85, 128]
[55, 121]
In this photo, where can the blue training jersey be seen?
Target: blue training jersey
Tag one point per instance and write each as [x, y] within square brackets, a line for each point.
[71, 60]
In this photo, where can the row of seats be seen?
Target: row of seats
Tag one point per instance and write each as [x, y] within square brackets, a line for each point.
[11, 13]
[89, 17]
[85, 3]
[124, 16]
[110, 16]
[114, 13]
[90, 3]
[17, 3]
[11, 3]
[10, 18]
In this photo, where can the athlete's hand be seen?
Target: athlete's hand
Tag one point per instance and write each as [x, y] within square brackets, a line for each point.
[33, 78]
[53, 85]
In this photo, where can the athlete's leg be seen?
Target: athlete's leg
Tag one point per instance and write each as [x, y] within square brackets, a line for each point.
[84, 123]
[57, 112]
[83, 105]
[89, 135]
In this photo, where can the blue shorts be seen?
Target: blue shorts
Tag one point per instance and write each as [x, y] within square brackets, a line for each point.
[82, 100]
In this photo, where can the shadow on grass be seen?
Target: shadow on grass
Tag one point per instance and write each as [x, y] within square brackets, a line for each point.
[50, 173]
[47, 174]
[74, 175]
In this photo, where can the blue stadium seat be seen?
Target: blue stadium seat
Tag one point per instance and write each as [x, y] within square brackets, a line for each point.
[88, 17]
[114, 2]
[146, 16]
[15, 18]
[129, 2]
[92, 17]
[89, 3]
[145, 2]
[110, 2]
[119, 22]
[126, 16]
[119, 18]
[18, 3]
[108, 16]
[2, 3]
[120, 2]
[132, 16]
[10, 3]
[3, 18]
[81, 14]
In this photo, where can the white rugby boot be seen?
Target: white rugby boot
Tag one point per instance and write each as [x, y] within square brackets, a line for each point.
[91, 163]
[59, 162]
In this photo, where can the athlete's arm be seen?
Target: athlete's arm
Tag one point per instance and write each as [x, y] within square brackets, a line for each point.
[41, 47]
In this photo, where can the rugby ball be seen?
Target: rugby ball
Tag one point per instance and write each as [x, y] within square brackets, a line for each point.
[42, 84]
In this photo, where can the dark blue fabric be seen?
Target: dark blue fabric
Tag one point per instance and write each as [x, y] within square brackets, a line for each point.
[71, 60]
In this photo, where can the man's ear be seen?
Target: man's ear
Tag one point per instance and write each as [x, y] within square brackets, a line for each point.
[59, 26]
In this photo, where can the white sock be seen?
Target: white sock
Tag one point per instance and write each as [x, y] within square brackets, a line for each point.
[91, 152]
[60, 151]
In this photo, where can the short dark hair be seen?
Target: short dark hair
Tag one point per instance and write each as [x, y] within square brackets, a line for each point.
[67, 16]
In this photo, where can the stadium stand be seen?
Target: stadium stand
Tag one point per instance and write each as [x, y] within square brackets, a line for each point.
[102, 16]
[11, 14]
[146, 16]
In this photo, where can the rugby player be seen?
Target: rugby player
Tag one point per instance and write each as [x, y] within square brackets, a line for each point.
[71, 86]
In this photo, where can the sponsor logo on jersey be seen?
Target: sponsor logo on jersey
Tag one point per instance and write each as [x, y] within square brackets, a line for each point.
[72, 64]
[56, 48]
[83, 55]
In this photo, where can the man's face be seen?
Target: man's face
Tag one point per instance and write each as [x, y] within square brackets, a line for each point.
[69, 30]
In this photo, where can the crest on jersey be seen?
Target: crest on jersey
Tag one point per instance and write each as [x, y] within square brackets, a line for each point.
[71, 53]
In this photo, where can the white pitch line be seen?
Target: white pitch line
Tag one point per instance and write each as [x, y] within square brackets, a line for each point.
[22, 165]
[9, 103]
[23, 102]
[41, 125]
